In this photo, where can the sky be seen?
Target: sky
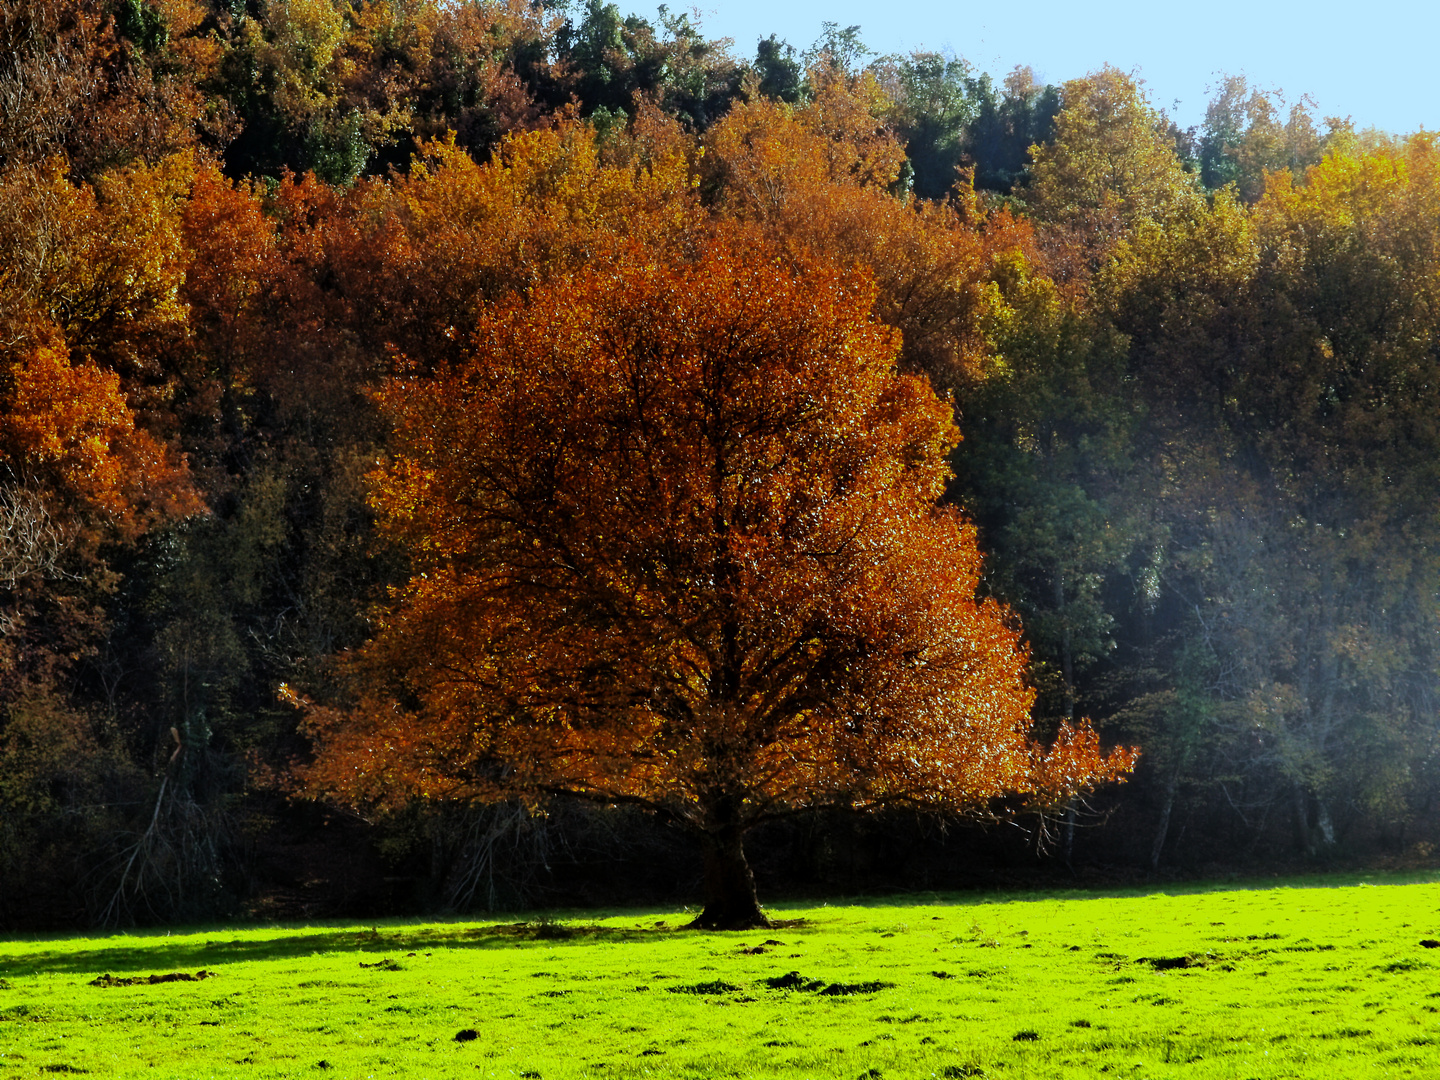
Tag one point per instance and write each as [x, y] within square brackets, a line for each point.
[1376, 63]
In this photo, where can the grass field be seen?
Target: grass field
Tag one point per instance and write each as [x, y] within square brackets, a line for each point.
[1316, 979]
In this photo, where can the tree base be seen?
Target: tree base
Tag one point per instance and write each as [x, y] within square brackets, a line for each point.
[730, 900]
[706, 920]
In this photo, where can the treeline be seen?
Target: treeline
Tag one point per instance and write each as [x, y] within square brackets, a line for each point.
[1196, 373]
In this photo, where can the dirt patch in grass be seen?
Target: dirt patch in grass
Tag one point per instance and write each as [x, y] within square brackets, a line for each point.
[793, 980]
[151, 980]
[719, 986]
[764, 947]
[846, 989]
[1172, 963]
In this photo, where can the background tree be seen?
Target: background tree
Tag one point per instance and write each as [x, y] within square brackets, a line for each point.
[1243, 138]
[1110, 168]
[103, 83]
[87, 471]
[951, 117]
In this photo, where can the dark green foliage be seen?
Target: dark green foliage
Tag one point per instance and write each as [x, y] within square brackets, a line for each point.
[843, 50]
[953, 118]
[780, 73]
[143, 25]
[613, 59]
[1047, 469]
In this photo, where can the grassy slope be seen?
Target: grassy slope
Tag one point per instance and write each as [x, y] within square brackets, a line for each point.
[1316, 980]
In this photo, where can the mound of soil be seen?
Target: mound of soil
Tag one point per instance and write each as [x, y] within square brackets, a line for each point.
[716, 987]
[1170, 963]
[151, 980]
[793, 981]
[764, 947]
[845, 989]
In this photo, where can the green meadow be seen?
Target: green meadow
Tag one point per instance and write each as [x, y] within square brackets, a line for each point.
[1318, 978]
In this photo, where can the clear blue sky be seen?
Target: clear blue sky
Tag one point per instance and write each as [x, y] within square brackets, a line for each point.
[1376, 62]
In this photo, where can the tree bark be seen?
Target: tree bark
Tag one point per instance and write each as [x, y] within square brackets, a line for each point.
[730, 900]
[1067, 669]
[1070, 815]
[1163, 829]
[1321, 835]
[1303, 840]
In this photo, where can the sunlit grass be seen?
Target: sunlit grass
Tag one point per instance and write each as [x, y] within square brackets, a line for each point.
[1318, 979]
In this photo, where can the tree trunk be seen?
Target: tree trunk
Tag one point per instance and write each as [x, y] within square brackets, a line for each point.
[730, 900]
[1321, 835]
[1070, 835]
[1067, 669]
[1163, 829]
[1303, 840]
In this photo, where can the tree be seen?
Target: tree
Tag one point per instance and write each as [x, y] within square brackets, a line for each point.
[1110, 169]
[950, 117]
[676, 545]
[778, 71]
[1285, 359]
[104, 83]
[611, 59]
[820, 181]
[1243, 139]
[1047, 471]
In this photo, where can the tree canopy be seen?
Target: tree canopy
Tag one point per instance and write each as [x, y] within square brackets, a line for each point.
[675, 542]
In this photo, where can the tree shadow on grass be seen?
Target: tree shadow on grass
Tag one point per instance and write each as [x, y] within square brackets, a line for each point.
[157, 952]
[991, 895]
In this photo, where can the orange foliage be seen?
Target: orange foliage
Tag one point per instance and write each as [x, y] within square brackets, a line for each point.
[100, 265]
[675, 542]
[420, 256]
[818, 180]
[89, 279]
[87, 298]
[230, 248]
[72, 85]
[70, 425]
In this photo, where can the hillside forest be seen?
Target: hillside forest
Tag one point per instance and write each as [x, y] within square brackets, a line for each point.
[1137, 426]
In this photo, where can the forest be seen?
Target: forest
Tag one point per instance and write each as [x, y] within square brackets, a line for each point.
[1141, 424]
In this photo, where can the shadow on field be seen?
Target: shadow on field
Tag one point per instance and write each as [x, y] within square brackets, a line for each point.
[1146, 886]
[156, 952]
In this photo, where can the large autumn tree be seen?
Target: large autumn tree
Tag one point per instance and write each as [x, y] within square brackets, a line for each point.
[676, 544]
